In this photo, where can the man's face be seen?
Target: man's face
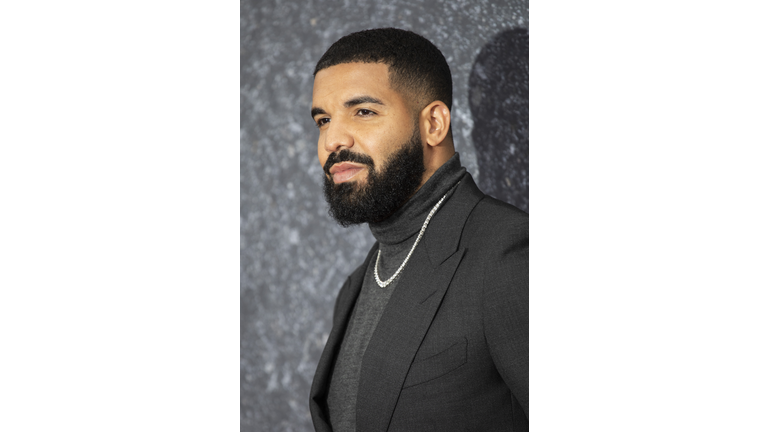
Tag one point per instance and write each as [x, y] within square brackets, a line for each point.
[369, 144]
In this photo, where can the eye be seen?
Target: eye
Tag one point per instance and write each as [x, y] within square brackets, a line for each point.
[322, 121]
[365, 112]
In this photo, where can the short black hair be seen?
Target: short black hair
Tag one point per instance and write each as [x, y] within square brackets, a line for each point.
[416, 66]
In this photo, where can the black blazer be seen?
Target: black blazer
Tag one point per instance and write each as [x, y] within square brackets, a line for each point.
[450, 351]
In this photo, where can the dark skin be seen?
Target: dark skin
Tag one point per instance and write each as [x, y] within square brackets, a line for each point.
[356, 108]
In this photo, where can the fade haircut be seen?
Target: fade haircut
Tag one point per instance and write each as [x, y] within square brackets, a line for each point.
[417, 69]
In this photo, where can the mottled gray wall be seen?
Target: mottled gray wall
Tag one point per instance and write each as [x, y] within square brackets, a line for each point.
[294, 258]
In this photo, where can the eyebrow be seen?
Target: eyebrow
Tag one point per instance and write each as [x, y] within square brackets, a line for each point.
[361, 100]
[350, 103]
[316, 111]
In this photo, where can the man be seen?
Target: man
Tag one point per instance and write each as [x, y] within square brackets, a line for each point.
[431, 331]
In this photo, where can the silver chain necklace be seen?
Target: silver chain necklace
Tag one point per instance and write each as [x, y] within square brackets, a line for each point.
[421, 233]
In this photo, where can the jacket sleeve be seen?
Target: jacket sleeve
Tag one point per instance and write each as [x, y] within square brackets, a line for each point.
[505, 308]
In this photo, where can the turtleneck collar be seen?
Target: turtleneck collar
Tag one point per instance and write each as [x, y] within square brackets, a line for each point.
[407, 220]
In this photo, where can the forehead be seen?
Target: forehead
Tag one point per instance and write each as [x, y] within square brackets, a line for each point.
[340, 82]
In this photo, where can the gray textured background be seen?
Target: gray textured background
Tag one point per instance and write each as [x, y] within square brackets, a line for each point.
[294, 258]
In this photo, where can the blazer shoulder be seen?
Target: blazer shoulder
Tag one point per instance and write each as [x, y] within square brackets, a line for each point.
[494, 221]
[493, 207]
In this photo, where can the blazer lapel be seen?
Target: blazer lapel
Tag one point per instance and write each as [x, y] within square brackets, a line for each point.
[398, 336]
[411, 309]
[341, 315]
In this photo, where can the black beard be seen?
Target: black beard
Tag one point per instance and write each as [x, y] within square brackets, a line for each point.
[351, 203]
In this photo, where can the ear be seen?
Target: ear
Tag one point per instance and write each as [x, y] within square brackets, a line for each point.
[435, 120]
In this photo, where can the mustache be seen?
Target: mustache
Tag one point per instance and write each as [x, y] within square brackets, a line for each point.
[346, 156]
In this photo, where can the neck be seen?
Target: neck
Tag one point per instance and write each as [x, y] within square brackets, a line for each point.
[407, 220]
[435, 157]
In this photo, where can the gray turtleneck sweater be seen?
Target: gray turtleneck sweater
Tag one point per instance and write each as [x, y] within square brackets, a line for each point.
[395, 237]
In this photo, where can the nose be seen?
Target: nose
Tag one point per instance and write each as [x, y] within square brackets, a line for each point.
[337, 137]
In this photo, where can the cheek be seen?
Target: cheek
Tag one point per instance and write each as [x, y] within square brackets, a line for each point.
[384, 148]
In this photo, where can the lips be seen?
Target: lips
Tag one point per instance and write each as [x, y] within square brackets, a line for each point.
[344, 171]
